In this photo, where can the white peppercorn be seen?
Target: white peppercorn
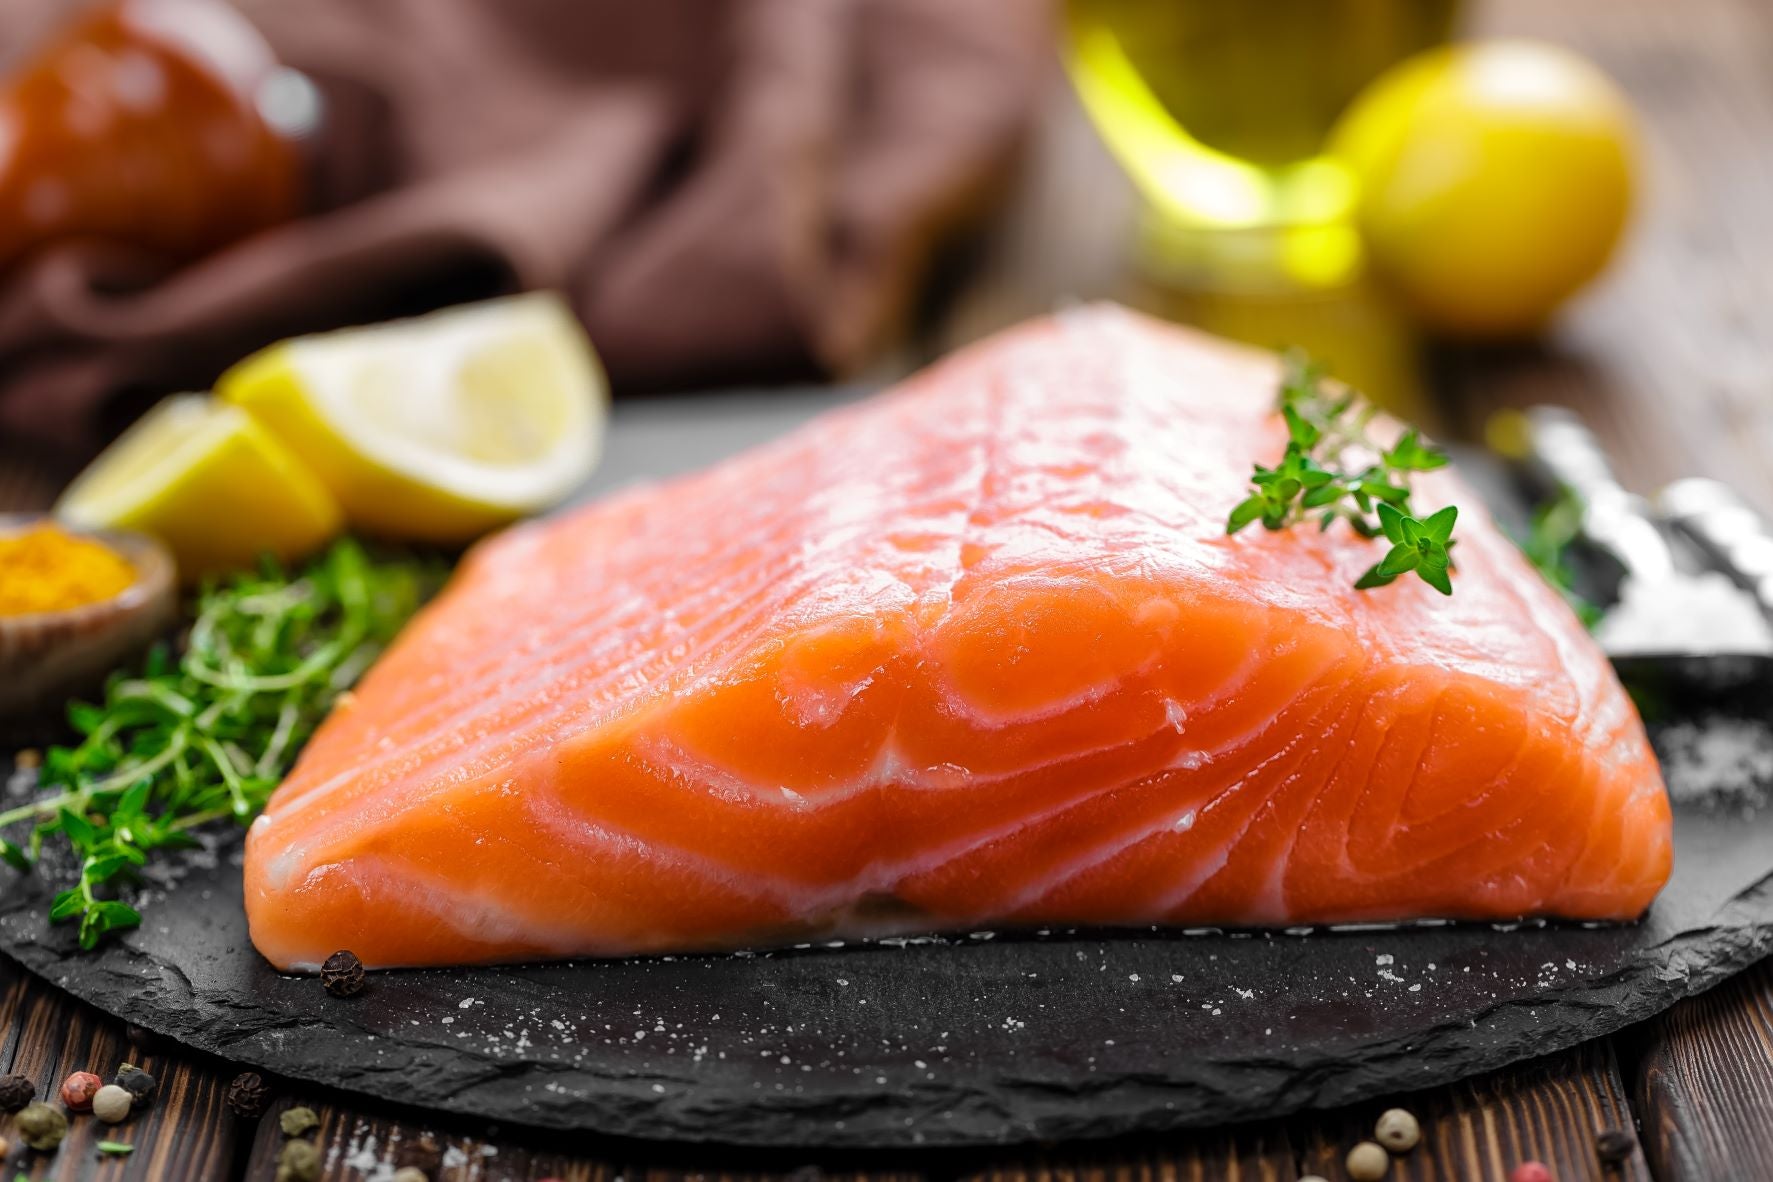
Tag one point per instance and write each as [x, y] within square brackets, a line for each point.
[111, 1104]
[1368, 1162]
[1397, 1130]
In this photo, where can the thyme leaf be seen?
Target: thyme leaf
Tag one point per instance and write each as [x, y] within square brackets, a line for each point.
[1333, 470]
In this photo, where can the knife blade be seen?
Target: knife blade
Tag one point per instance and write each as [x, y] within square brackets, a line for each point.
[1696, 628]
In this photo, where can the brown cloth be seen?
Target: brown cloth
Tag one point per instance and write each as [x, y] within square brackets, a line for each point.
[725, 189]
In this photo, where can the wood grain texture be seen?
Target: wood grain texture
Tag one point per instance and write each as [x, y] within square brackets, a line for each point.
[355, 1145]
[1548, 1110]
[1260, 1153]
[1704, 1087]
[187, 1135]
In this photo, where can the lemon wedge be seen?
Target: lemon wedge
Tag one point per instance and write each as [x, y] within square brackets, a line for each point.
[210, 482]
[442, 427]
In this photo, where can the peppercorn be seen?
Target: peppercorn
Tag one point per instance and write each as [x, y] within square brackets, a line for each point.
[1368, 1162]
[1614, 1145]
[15, 1092]
[139, 1084]
[342, 974]
[79, 1089]
[408, 1174]
[111, 1104]
[42, 1127]
[296, 1121]
[1531, 1171]
[247, 1095]
[299, 1162]
[424, 1155]
[1397, 1130]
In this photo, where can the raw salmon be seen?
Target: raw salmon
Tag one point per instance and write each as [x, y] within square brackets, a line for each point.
[977, 651]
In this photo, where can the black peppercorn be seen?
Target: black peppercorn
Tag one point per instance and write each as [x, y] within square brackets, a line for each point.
[423, 1154]
[247, 1095]
[342, 974]
[1614, 1145]
[15, 1092]
[139, 1084]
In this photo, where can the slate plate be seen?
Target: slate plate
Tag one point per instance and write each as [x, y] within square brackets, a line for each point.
[969, 1039]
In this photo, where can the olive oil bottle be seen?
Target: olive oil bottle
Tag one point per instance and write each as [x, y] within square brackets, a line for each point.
[1219, 110]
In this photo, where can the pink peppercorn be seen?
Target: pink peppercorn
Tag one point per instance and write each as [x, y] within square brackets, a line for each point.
[79, 1089]
[1531, 1171]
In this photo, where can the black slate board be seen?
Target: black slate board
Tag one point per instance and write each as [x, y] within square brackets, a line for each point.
[967, 1039]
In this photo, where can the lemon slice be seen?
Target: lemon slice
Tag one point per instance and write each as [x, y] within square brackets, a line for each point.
[210, 482]
[441, 427]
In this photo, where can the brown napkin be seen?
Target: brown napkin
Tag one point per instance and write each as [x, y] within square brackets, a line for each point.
[725, 189]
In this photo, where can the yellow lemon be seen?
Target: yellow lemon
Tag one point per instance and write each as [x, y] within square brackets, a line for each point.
[1495, 181]
[210, 482]
[442, 427]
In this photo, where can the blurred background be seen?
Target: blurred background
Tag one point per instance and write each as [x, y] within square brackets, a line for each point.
[1534, 200]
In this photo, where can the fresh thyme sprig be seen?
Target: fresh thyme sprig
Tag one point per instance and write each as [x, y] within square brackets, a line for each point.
[1334, 471]
[205, 737]
[1550, 536]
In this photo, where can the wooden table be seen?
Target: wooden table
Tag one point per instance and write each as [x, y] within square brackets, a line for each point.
[1673, 361]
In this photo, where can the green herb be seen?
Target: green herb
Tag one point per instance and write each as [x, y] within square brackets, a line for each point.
[119, 1148]
[205, 737]
[1333, 470]
[1555, 527]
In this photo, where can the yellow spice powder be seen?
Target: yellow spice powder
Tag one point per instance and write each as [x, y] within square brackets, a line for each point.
[47, 569]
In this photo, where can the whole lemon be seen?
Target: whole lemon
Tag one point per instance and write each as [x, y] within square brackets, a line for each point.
[1495, 180]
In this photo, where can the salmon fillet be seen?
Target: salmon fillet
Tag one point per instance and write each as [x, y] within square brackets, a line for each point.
[976, 651]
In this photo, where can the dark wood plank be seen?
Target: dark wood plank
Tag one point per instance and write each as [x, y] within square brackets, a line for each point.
[1548, 1110]
[355, 1144]
[1705, 1083]
[186, 1136]
[1263, 1153]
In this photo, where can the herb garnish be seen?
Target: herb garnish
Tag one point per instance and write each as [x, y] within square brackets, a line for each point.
[207, 736]
[1555, 527]
[1334, 471]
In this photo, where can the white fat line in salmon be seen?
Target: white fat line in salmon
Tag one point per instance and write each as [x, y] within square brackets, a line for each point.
[447, 735]
[1237, 679]
[875, 876]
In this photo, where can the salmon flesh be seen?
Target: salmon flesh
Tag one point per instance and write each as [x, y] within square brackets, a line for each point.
[977, 651]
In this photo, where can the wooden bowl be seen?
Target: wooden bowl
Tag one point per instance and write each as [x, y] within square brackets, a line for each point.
[47, 657]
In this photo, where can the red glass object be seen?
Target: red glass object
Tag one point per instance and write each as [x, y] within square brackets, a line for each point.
[141, 124]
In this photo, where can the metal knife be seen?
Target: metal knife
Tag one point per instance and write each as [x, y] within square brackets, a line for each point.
[1734, 537]
[1698, 626]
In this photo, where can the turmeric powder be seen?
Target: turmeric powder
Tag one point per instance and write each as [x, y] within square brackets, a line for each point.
[46, 569]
